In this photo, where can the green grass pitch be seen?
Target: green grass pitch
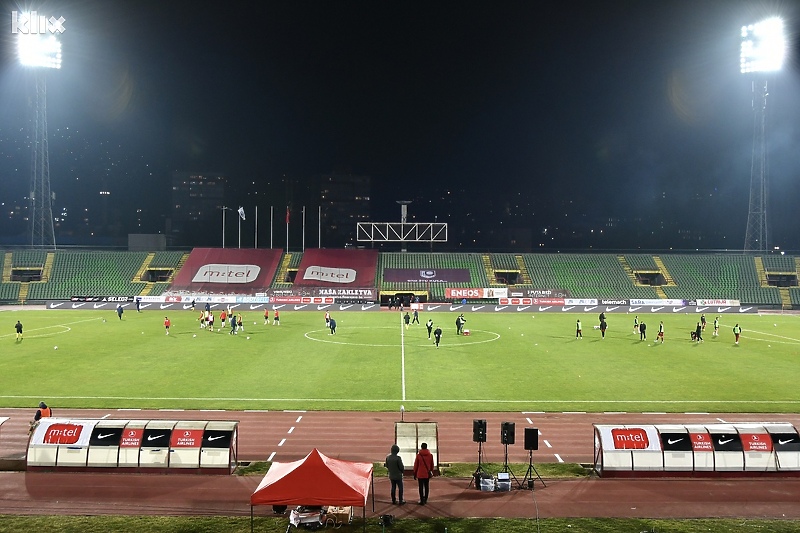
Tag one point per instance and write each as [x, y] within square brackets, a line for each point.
[519, 362]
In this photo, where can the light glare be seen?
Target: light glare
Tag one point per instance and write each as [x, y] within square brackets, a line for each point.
[763, 46]
[39, 51]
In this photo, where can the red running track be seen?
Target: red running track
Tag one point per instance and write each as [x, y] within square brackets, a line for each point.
[287, 436]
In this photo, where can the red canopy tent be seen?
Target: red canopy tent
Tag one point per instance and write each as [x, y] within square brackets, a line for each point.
[315, 480]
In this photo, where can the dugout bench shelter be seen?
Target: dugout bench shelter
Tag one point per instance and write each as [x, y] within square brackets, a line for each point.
[163, 446]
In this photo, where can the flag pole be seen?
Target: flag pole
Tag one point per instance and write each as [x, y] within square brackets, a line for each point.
[287, 229]
[271, 220]
[304, 228]
[223, 225]
[256, 240]
[319, 229]
[240, 232]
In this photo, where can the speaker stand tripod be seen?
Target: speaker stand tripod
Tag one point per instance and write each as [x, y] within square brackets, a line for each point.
[479, 472]
[529, 474]
[505, 464]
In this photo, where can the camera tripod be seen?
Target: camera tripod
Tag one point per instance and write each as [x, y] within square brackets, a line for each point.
[529, 474]
[479, 472]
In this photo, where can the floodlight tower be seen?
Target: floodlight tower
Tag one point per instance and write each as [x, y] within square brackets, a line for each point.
[763, 50]
[403, 219]
[41, 52]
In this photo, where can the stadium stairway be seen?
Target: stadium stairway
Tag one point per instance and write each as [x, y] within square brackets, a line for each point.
[762, 273]
[7, 258]
[669, 282]
[660, 292]
[280, 276]
[523, 271]
[487, 265]
[143, 268]
[786, 298]
[48, 267]
[178, 267]
[628, 270]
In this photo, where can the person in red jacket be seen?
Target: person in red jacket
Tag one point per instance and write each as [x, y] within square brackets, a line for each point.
[423, 471]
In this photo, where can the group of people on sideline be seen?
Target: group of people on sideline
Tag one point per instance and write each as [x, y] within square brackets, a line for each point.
[640, 328]
[422, 472]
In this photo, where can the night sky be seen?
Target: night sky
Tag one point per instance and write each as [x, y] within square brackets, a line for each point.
[551, 118]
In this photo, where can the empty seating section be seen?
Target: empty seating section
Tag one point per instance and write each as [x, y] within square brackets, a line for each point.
[584, 276]
[9, 292]
[717, 276]
[428, 261]
[159, 288]
[166, 260]
[779, 263]
[29, 258]
[507, 262]
[90, 274]
[641, 262]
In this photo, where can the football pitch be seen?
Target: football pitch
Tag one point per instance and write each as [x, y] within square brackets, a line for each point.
[509, 362]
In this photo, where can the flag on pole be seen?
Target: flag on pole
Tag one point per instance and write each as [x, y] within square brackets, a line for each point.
[241, 213]
[287, 214]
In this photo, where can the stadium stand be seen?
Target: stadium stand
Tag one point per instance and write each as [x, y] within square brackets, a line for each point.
[318, 262]
[210, 266]
[779, 263]
[77, 273]
[641, 262]
[290, 263]
[718, 276]
[432, 261]
[584, 275]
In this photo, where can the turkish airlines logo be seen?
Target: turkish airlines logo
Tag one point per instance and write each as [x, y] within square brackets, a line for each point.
[331, 275]
[630, 439]
[62, 434]
[218, 273]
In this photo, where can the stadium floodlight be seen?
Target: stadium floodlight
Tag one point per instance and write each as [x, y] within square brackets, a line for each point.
[39, 51]
[763, 46]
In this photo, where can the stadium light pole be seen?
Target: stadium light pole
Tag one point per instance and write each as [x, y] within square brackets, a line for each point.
[40, 52]
[763, 50]
[403, 219]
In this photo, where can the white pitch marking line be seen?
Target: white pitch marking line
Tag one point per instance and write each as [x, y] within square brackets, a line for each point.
[539, 431]
[105, 416]
[281, 442]
[269, 459]
[291, 429]
[721, 421]
[529, 420]
[299, 418]
[560, 460]
[547, 443]
[402, 358]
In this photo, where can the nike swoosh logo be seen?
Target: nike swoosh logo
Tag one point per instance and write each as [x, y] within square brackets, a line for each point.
[98, 306]
[722, 309]
[567, 308]
[612, 308]
[782, 442]
[105, 436]
[656, 309]
[589, 308]
[670, 441]
[455, 307]
[545, 308]
[215, 438]
[255, 306]
[432, 307]
[498, 308]
[364, 307]
[164, 306]
[53, 306]
[321, 307]
[343, 307]
[153, 437]
[523, 308]
[298, 307]
[745, 309]
[721, 442]
[700, 309]
[75, 306]
[676, 309]
[632, 309]
[476, 307]
[187, 306]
